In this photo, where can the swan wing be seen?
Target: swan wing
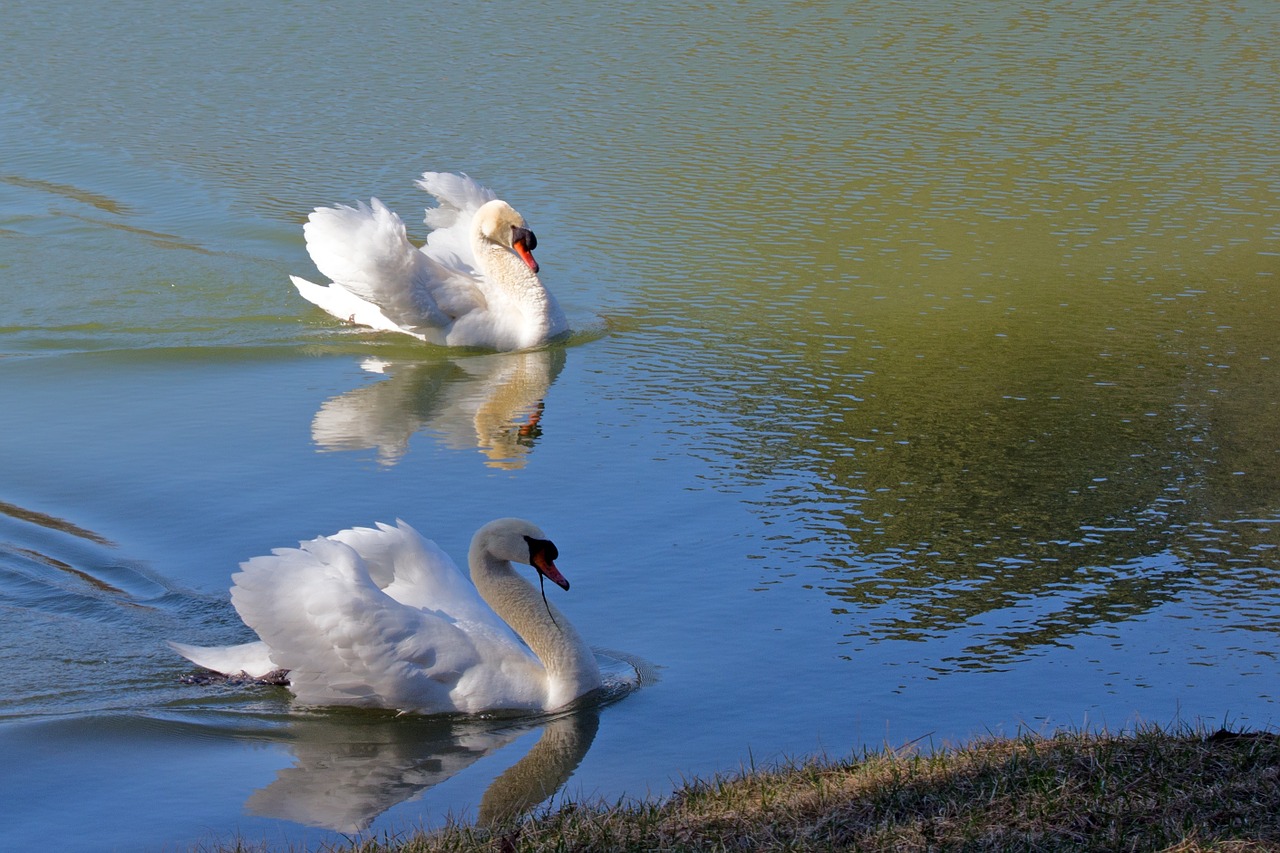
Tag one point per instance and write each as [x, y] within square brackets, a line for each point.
[416, 572]
[459, 287]
[458, 199]
[346, 641]
[365, 250]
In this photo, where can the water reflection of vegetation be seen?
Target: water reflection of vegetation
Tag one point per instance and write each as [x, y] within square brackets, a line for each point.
[1037, 472]
[988, 327]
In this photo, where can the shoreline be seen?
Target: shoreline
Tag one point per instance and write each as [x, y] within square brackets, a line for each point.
[1151, 789]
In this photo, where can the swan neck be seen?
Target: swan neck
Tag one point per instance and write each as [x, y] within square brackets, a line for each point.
[570, 663]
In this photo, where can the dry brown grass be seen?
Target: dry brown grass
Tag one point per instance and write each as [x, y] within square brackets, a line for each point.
[1152, 790]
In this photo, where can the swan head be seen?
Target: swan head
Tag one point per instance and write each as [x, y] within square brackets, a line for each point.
[518, 541]
[499, 222]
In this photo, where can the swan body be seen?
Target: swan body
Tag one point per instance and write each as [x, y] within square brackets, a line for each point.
[474, 283]
[383, 618]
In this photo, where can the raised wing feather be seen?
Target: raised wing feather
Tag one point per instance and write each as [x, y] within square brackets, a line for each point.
[415, 571]
[345, 640]
[366, 250]
[459, 198]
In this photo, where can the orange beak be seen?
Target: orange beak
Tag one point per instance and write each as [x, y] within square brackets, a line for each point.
[548, 570]
[525, 255]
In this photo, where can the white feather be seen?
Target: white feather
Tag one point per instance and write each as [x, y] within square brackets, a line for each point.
[382, 617]
[464, 287]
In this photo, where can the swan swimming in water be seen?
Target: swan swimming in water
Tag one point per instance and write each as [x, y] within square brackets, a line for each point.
[474, 283]
[383, 618]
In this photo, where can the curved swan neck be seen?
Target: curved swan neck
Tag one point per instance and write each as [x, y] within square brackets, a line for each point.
[571, 665]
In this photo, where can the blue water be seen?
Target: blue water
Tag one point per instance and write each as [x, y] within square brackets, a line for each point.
[923, 385]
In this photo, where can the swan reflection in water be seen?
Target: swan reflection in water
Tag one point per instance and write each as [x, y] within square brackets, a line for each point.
[351, 766]
[491, 402]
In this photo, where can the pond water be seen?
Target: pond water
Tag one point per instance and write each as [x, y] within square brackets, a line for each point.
[924, 385]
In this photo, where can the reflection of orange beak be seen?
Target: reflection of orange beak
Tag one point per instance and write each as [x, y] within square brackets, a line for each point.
[525, 255]
[548, 570]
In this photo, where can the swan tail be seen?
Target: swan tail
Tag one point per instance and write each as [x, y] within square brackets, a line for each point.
[339, 302]
[316, 294]
[250, 659]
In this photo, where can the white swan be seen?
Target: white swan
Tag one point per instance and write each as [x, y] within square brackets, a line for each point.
[474, 283]
[383, 618]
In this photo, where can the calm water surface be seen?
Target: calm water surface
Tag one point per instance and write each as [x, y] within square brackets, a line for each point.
[925, 385]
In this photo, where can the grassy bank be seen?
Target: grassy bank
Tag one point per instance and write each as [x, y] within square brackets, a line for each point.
[1153, 790]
